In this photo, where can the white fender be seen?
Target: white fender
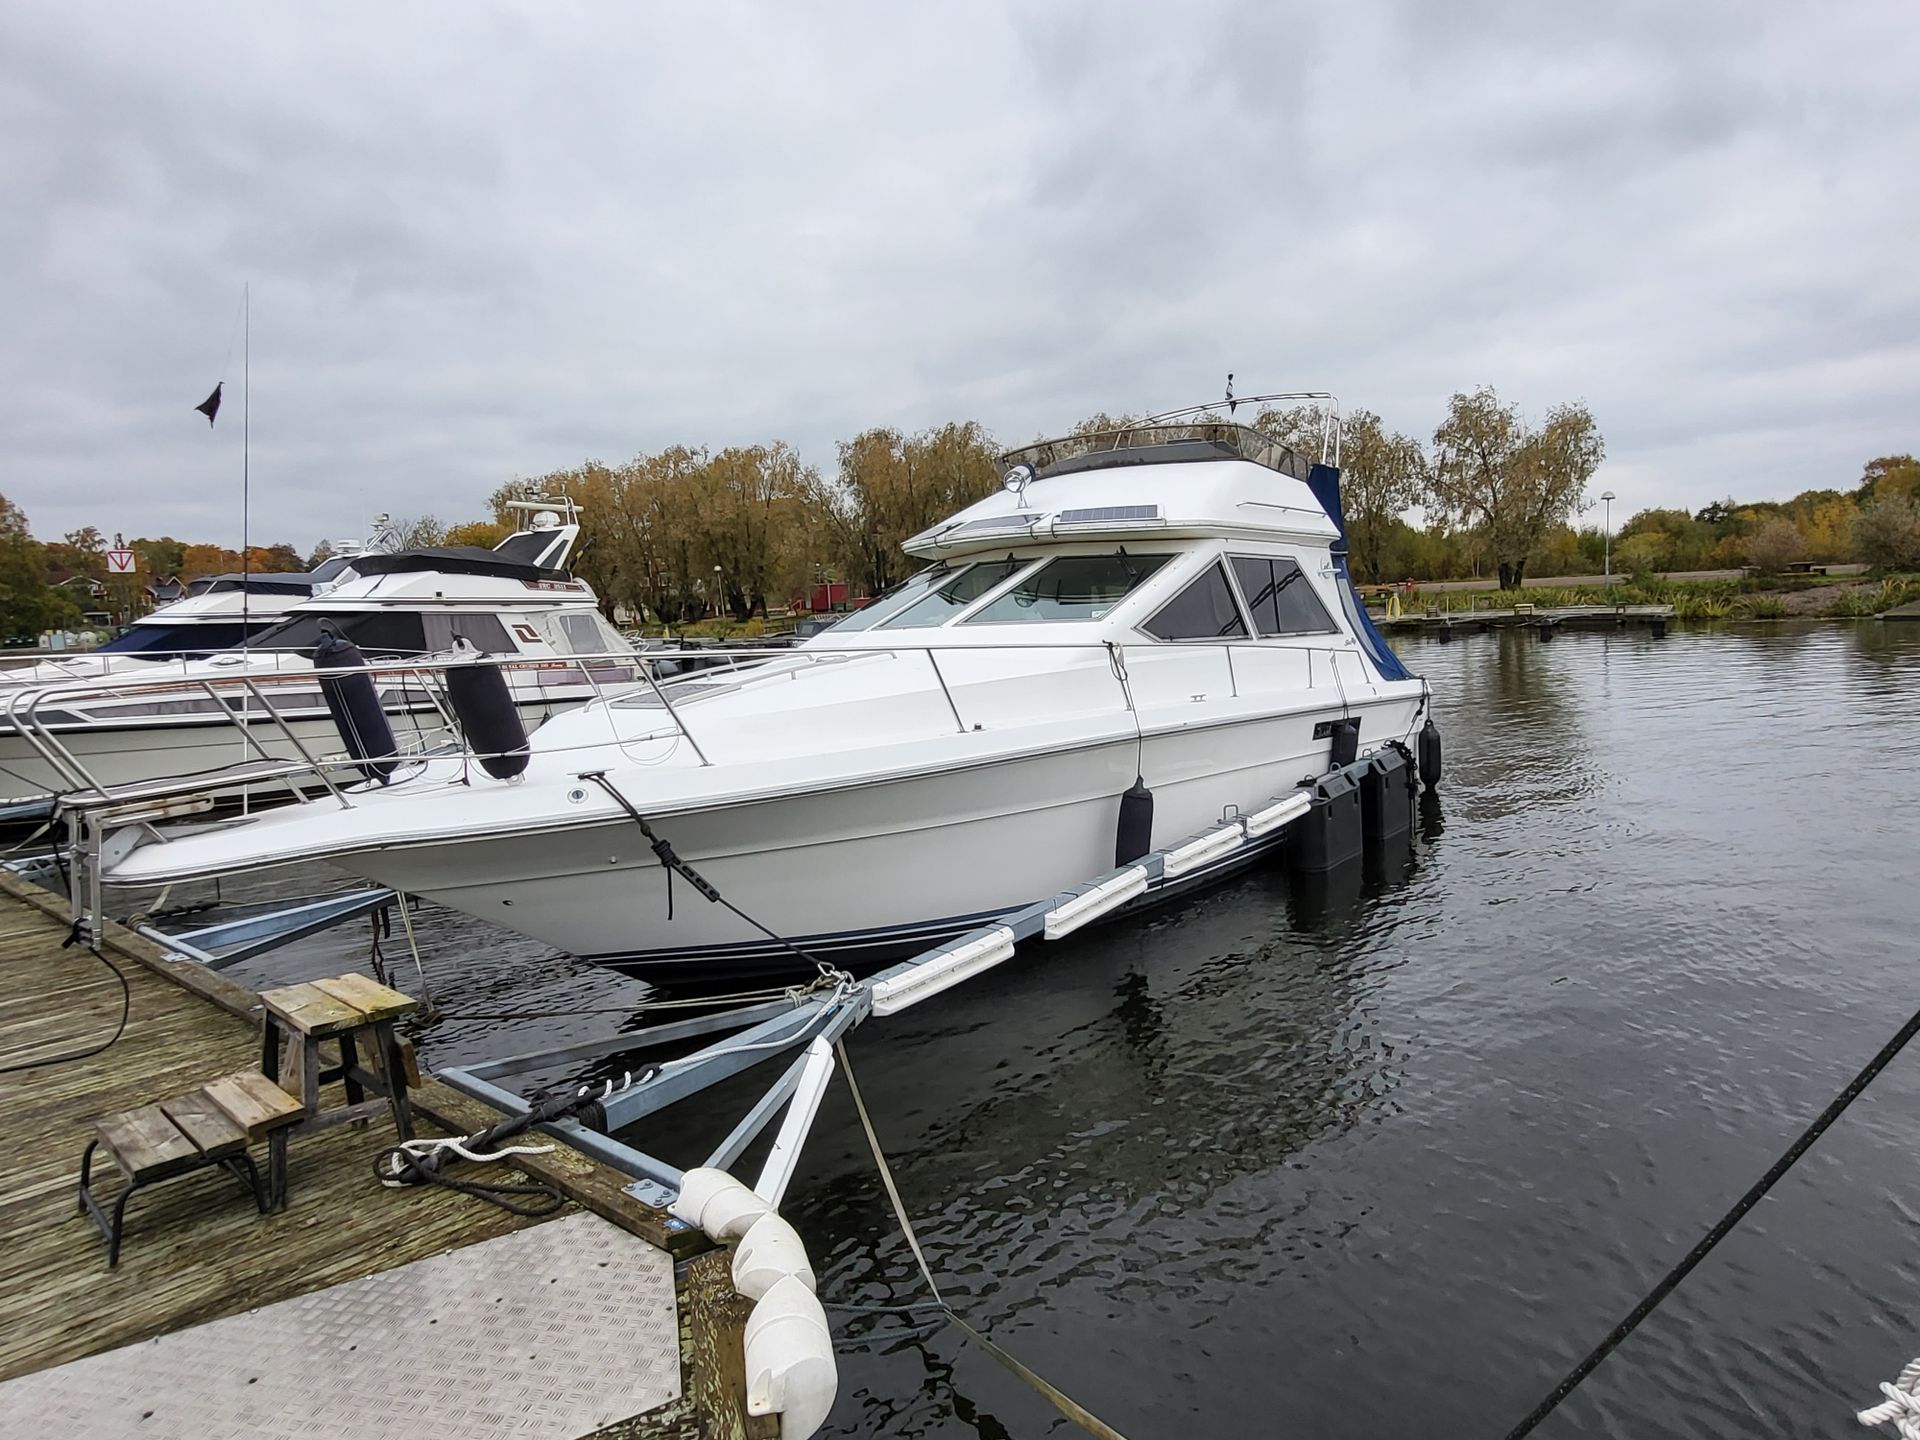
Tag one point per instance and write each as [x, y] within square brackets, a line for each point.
[769, 1252]
[719, 1204]
[790, 1366]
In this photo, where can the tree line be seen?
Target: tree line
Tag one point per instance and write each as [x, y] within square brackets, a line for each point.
[686, 531]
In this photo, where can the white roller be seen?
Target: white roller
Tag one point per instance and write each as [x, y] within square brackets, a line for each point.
[1263, 822]
[790, 1366]
[942, 972]
[768, 1253]
[1107, 896]
[716, 1202]
[1208, 848]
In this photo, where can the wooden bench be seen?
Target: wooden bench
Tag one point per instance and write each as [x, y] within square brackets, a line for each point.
[212, 1126]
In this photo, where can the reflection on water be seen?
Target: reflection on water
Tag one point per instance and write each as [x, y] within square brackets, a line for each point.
[1292, 1159]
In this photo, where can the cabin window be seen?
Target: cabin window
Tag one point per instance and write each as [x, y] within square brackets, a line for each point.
[1071, 587]
[1280, 597]
[955, 595]
[483, 632]
[588, 634]
[1205, 610]
[395, 633]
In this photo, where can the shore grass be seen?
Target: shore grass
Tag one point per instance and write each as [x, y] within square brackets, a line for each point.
[1753, 598]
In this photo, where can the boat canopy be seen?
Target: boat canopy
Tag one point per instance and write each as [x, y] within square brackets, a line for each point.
[454, 560]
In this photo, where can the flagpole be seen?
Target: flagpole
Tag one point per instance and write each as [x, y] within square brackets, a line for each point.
[246, 456]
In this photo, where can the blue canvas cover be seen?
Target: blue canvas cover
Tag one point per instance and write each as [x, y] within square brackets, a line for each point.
[1324, 482]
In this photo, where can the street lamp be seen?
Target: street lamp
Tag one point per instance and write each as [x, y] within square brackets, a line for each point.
[1606, 496]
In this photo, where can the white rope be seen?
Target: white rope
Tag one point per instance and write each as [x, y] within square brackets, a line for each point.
[426, 1148]
[1902, 1407]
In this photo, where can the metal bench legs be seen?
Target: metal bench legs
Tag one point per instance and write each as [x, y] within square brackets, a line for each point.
[240, 1166]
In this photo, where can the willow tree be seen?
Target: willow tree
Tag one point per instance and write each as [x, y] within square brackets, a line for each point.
[1510, 482]
[892, 486]
[1382, 474]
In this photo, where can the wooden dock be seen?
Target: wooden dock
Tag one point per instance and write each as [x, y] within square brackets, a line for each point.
[1550, 618]
[196, 1248]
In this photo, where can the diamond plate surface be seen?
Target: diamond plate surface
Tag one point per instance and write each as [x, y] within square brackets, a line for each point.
[556, 1330]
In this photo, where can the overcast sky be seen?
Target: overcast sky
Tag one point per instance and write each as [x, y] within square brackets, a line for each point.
[491, 241]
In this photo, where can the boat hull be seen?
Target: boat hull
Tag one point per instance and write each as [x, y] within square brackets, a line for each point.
[864, 875]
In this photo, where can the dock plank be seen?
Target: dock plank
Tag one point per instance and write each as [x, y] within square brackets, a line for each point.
[369, 997]
[311, 1010]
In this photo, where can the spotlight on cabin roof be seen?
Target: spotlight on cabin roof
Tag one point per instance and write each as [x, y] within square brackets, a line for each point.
[1018, 477]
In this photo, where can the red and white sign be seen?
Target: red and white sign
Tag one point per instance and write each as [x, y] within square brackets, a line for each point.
[120, 562]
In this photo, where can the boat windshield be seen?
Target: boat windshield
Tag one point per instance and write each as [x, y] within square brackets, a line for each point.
[892, 601]
[955, 595]
[194, 642]
[1070, 587]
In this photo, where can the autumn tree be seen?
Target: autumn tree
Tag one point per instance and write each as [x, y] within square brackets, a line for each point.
[28, 604]
[1890, 475]
[160, 558]
[1382, 474]
[484, 534]
[890, 487]
[1512, 482]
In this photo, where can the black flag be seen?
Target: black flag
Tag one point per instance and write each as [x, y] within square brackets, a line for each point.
[210, 406]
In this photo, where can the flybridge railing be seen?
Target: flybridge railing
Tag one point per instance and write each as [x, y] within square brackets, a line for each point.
[292, 745]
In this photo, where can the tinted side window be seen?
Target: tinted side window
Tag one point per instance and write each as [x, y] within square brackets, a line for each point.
[1203, 611]
[1282, 601]
[483, 632]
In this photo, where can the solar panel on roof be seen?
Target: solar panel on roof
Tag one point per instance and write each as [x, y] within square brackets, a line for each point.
[1094, 514]
[998, 522]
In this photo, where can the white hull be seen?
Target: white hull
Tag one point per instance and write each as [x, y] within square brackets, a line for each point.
[866, 872]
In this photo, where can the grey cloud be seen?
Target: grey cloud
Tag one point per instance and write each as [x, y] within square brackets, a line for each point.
[489, 241]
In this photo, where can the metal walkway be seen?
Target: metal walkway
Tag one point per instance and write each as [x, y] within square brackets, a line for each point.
[554, 1331]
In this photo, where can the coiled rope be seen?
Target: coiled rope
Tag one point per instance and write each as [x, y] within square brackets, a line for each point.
[1902, 1407]
[423, 1162]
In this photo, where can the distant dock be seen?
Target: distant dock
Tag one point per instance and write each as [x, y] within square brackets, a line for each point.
[1546, 619]
[359, 1309]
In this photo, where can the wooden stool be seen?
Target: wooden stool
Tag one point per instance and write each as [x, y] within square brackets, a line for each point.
[347, 1011]
[159, 1142]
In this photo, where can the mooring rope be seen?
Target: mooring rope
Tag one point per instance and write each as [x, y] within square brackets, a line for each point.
[1671, 1280]
[1058, 1398]
[1902, 1406]
[422, 1162]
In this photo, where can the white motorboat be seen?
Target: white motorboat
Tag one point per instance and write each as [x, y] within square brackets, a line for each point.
[162, 717]
[1167, 605]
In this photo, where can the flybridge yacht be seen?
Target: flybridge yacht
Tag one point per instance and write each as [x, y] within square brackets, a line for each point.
[515, 602]
[221, 612]
[1166, 605]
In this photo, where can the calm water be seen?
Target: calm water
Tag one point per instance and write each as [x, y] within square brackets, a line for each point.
[1388, 1162]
